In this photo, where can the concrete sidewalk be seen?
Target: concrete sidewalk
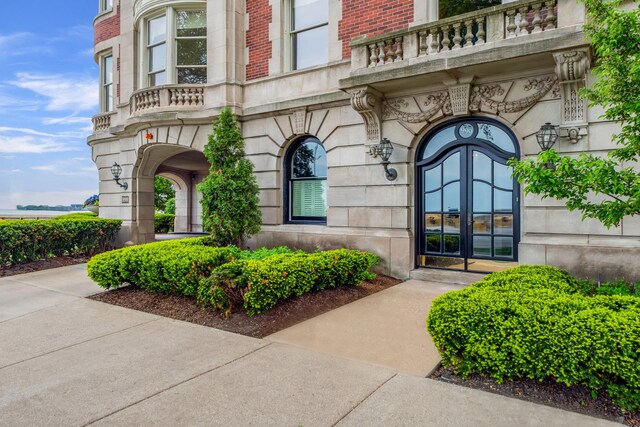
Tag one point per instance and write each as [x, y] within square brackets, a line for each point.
[67, 360]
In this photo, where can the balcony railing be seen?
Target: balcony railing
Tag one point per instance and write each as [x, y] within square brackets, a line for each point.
[102, 121]
[465, 31]
[178, 96]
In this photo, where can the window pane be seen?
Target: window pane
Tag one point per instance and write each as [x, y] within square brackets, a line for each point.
[433, 243]
[452, 223]
[309, 160]
[433, 222]
[192, 75]
[192, 51]
[481, 166]
[307, 13]
[503, 200]
[503, 224]
[107, 4]
[157, 30]
[432, 179]
[449, 8]
[482, 224]
[451, 197]
[309, 198]
[108, 97]
[311, 47]
[433, 201]
[452, 245]
[502, 176]
[503, 247]
[191, 23]
[157, 58]
[107, 70]
[481, 245]
[497, 136]
[157, 79]
[451, 168]
[439, 140]
[481, 197]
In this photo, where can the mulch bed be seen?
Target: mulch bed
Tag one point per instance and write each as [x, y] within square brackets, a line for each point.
[575, 398]
[282, 316]
[43, 264]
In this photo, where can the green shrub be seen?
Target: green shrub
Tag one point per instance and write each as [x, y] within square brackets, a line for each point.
[77, 215]
[261, 283]
[175, 266]
[534, 322]
[619, 287]
[163, 223]
[31, 240]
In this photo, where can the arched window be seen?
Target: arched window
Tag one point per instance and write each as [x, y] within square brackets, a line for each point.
[305, 189]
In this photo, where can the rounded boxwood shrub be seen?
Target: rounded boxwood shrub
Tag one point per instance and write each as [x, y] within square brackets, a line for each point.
[534, 322]
[163, 223]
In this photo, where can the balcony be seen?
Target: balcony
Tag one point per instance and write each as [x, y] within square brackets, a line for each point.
[167, 98]
[102, 122]
[512, 36]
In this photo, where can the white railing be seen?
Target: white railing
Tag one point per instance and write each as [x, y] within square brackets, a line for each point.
[102, 121]
[180, 96]
[506, 21]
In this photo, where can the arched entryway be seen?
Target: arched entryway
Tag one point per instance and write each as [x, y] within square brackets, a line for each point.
[467, 203]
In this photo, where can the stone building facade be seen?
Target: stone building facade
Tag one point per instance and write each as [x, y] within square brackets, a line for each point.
[317, 83]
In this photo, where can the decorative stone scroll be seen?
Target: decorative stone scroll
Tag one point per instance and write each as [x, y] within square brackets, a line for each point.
[571, 68]
[482, 95]
[298, 121]
[367, 102]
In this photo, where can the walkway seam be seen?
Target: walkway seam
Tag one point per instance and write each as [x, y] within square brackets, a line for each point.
[174, 385]
[33, 285]
[362, 401]
[81, 342]
[36, 311]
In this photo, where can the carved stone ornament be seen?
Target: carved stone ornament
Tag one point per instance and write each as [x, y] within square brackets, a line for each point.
[477, 97]
[571, 68]
[366, 101]
[298, 121]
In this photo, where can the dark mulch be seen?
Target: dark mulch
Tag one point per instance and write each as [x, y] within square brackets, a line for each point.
[575, 398]
[284, 315]
[43, 264]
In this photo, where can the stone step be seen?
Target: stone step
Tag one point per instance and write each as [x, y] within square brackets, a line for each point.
[445, 276]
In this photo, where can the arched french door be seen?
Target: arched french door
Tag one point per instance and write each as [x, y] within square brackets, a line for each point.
[467, 202]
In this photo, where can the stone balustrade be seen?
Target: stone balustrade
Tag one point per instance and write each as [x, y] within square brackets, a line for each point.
[465, 31]
[102, 121]
[178, 96]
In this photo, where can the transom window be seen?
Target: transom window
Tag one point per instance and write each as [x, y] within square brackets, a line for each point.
[306, 186]
[309, 33]
[106, 72]
[176, 48]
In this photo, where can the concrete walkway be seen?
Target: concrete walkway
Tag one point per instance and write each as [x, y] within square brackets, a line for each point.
[66, 360]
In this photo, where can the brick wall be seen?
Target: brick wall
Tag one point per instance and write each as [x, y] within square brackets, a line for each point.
[108, 28]
[258, 38]
[372, 17]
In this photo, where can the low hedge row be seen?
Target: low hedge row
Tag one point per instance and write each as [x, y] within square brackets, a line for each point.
[32, 240]
[259, 284]
[536, 322]
[163, 223]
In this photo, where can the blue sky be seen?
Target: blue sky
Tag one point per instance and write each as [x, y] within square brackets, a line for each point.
[48, 93]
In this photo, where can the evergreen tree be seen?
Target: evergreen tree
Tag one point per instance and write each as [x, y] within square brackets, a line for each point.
[230, 210]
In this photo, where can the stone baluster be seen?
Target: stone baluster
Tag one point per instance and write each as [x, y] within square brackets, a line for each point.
[480, 34]
[382, 56]
[457, 39]
[435, 42]
[551, 17]
[422, 40]
[524, 20]
[172, 98]
[511, 26]
[391, 53]
[373, 55]
[398, 52]
[445, 37]
[536, 18]
[469, 36]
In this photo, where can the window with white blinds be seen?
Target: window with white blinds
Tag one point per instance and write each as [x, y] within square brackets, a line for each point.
[306, 182]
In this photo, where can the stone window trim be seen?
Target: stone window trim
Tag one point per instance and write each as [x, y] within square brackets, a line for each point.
[291, 216]
[171, 68]
[107, 83]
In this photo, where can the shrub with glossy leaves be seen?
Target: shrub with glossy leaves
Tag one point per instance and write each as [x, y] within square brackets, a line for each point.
[163, 223]
[535, 322]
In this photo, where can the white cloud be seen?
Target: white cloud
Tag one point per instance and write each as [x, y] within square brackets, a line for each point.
[10, 171]
[29, 144]
[6, 129]
[65, 92]
[75, 166]
[21, 43]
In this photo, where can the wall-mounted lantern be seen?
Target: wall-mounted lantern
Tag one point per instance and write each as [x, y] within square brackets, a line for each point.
[384, 150]
[546, 136]
[116, 171]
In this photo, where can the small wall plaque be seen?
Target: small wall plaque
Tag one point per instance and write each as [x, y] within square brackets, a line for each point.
[125, 199]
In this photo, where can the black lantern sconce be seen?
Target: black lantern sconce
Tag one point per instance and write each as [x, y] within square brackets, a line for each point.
[116, 170]
[546, 136]
[384, 150]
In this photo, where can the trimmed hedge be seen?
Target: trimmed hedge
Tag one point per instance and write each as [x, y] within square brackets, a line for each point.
[163, 223]
[259, 284]
[32, 240]
[536, 322]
